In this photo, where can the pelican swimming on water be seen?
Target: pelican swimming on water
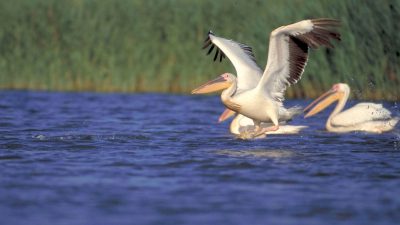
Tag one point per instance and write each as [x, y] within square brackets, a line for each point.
[261, 98]
[242, 126]
[366, 116]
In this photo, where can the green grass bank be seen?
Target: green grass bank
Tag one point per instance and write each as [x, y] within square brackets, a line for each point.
[155, 46]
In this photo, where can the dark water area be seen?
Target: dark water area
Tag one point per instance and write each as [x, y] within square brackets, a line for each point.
[88, 158]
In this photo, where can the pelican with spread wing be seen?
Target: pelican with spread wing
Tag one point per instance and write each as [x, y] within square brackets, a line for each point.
[366, 116]
[259, 95]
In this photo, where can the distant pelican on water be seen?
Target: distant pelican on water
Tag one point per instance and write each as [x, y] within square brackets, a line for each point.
[366, 116]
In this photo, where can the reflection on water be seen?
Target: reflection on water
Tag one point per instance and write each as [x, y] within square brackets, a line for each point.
[86, 158]
[258, 153]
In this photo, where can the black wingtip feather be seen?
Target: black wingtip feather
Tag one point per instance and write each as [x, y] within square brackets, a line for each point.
[210, 50]
[216, 54]
[207, 43]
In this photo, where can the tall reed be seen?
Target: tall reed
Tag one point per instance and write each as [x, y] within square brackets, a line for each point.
[155, 46]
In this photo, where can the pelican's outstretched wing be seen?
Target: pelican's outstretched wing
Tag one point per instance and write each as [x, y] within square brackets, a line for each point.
[241, 56]
[288, 52]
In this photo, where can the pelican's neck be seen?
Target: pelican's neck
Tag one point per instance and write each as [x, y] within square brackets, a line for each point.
[339, 107]
[227, 93]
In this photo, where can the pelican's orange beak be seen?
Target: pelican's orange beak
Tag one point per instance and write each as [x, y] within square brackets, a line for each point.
[225, 115]
[323, 101]
[217, 84]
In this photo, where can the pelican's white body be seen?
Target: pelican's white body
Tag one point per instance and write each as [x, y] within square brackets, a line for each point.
[366, 116]
[257, 105]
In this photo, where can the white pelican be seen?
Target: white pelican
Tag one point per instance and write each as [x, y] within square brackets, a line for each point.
[366, 116]
[242, 127]
[261, 100]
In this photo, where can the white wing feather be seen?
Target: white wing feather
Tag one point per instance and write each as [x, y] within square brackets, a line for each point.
[277, 71]
[288, 53]
[247, 70]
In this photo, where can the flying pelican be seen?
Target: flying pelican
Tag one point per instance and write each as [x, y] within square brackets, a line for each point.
[242, 126]
[261, 98]
[366, 116]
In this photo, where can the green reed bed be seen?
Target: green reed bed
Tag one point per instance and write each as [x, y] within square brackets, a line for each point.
[155, 46]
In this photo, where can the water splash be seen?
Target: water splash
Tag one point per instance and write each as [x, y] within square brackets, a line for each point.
[40, 137]
[396, 143]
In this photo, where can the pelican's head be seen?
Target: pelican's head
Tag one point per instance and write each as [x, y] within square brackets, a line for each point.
[222, 82]
[334, 94]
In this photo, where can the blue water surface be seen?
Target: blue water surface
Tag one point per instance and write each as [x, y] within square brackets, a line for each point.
[89, 158]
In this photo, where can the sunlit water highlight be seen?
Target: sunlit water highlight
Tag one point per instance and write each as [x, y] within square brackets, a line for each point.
[86, 158]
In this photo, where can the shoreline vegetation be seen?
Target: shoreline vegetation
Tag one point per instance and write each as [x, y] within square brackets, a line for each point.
[155, 46]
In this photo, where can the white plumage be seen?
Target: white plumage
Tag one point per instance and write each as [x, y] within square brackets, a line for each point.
[366, 116]
[259, 95]
[241, 126]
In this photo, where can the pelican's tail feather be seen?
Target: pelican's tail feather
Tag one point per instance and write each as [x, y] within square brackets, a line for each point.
[288, 114]
[394, 121]
[294, 111]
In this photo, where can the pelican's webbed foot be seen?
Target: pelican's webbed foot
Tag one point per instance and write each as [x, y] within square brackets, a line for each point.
[250, 135]
[267, 129]
[257, 132]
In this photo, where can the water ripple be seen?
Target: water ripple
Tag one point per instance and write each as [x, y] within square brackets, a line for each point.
[157, 158]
